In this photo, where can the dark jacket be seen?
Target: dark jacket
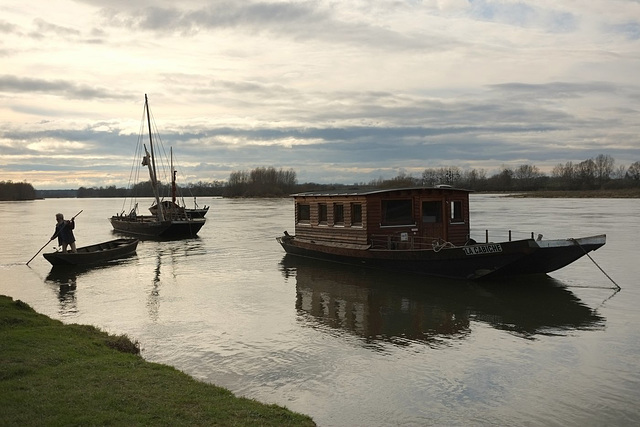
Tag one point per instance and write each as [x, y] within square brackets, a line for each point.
[64, 231]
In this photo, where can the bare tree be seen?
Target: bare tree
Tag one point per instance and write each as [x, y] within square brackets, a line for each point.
[526, 176]
[586, 173]
[604, 165]
[633, 172]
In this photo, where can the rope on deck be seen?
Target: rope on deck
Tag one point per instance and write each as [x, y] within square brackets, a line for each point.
[603, 272]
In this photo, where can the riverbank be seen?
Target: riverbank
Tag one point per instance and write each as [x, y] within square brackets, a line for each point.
[629, 193]
[57, 374]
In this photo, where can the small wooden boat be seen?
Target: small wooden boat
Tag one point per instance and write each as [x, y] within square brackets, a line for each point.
[95, 254]
[417, 230]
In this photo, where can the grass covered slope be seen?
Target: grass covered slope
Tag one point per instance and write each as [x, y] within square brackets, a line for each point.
[56, 374]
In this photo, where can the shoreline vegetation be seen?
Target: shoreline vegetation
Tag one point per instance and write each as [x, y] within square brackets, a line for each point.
[625, 193]
[597, 177]
[58, 374]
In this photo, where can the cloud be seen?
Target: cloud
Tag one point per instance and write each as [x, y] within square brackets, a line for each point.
[335, 90]
[298, 21]
[7, 27]
[253, 16]
[47, 27]
[64, 88]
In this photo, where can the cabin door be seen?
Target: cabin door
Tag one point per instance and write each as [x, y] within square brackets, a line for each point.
[432, 217]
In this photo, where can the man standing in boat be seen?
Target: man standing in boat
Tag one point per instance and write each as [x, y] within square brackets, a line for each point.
[64, 232]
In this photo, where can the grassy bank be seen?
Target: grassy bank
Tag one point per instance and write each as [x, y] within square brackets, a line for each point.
[629, 193]
[56, 374]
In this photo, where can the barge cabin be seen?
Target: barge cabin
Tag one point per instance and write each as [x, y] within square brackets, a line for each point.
[410, 218]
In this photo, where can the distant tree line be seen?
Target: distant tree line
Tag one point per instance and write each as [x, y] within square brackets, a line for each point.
[599, 173]
[263, 182]
[12, 191]
[259, 182]
[144, 189]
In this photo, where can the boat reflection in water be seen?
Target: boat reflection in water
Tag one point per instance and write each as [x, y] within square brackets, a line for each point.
[66, 278]
[401, 309]
[65, 281]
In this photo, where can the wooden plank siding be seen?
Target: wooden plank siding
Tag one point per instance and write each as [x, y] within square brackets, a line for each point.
[447, 229]
[345, 232]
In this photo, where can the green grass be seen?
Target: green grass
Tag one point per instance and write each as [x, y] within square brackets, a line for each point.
[54, 374]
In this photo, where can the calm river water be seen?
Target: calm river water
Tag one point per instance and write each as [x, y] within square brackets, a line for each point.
[353, 347]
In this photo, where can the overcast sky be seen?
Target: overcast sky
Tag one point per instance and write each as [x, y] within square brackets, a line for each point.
[339, 91]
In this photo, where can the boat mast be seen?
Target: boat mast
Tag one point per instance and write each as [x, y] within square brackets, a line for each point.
[173, 178]
[154, 179]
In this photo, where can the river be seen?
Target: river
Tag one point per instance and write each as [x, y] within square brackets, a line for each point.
[355, 347]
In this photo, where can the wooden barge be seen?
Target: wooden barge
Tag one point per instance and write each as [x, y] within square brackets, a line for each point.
[421, 230]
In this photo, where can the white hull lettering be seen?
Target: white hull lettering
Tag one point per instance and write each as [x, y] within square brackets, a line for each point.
[482, 249]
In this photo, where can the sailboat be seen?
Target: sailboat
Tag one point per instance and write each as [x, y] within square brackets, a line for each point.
[164, 223]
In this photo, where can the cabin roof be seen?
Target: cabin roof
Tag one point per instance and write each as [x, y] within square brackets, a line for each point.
[368, 191]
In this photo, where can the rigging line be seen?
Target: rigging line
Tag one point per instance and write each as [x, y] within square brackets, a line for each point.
[162, 151]
[163, 159]
[603, 272]
[161, 173]
[177, 166]
[132, 172]
[136, 161]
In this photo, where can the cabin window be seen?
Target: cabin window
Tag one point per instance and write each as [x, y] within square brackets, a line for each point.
[456, 211]
[432, 212]
[397, 212]
[338, 214]
[356, 213]
[304, 213]
[322, 213]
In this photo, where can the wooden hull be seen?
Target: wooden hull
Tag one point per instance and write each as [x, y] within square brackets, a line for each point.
[197, 212]
[175, 211]
[472, 262]
[149, 226]
[553, 255]
[94, 254]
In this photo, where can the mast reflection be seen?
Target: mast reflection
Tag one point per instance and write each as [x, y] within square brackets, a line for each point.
[169, 258]
[153, 300]
[402, 309]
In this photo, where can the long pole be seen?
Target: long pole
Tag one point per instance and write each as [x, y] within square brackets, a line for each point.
[54, 236]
